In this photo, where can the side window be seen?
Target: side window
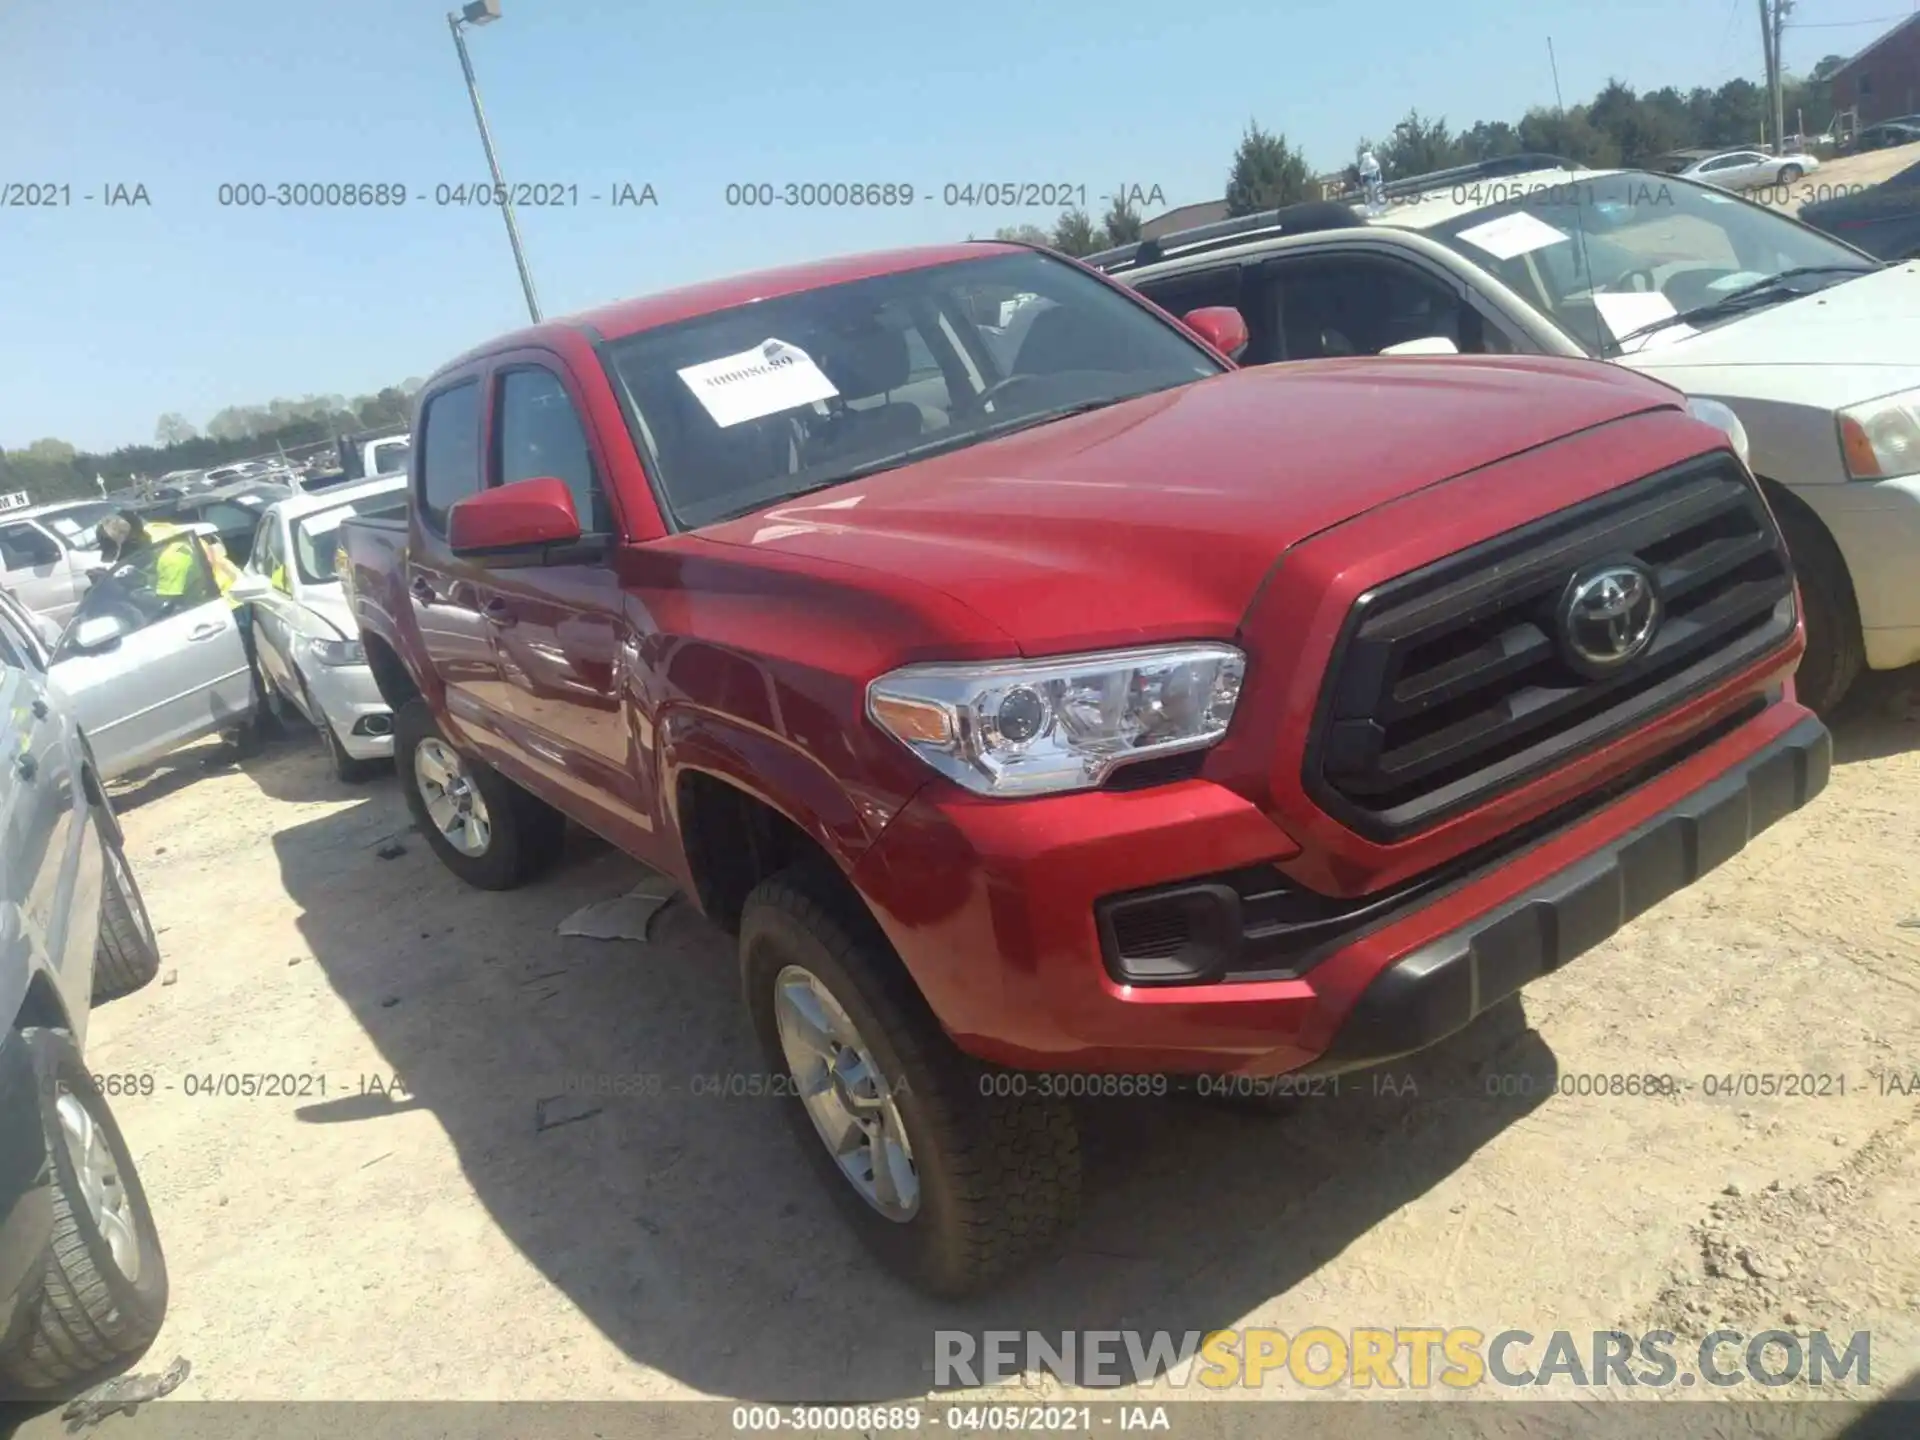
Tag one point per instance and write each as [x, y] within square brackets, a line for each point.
[270, 556]
[13, 646]
[1178, 294]
[538, 432]
[450, 439]
[26, 547]
[1360, 305]
[154, 582]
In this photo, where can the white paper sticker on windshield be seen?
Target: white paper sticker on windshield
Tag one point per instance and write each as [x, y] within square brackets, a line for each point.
[771, 377]
[1627, 311]
[1519, 233]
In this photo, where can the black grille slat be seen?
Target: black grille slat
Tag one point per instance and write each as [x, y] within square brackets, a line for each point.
[1449, 684]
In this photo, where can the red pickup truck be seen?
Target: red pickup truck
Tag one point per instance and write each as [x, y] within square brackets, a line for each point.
[1052, 717]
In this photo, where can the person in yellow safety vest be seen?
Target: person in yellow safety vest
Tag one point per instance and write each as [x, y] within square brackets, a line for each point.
[173, 567]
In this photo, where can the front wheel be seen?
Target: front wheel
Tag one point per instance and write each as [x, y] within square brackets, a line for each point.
[484, 828]
[103, 1294]
[1790, 173]
[952, 1185]
[127, 954]
[1836, 648]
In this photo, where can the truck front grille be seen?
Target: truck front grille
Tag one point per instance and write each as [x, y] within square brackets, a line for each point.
[1466, 678]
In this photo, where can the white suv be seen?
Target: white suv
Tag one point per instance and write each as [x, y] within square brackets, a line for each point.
[1809, 341]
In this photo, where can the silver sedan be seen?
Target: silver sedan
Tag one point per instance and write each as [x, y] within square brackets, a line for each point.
[1745, 169]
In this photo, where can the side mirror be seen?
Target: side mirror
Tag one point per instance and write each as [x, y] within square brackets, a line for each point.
[1426, 345]
[513, 517]
[1221, 326]
[250, 586]
[96, 635]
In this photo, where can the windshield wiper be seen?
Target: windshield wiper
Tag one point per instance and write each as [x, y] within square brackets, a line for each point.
[926, 451]
[1768, 289]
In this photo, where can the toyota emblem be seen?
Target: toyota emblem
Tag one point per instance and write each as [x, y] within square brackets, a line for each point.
[1608, 618]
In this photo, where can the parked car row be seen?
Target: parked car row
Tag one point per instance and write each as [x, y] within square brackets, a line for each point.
[1048, 701]
[1807, 340]
[83, 1279]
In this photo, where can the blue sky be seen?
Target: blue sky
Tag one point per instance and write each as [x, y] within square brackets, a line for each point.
[111, 316]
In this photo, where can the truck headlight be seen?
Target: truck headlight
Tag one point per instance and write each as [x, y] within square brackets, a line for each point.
[1881, 438]
[1722, 418]
[337, 652]
[1041, 727]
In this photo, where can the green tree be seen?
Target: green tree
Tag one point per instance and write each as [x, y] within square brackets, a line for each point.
[1023, 235]
[1074, 234]
[1267, 173]
[1122, 222]
[173, 429]
[1569, 134]
[1418, 146]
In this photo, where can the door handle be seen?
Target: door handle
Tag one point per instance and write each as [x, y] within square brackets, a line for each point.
[204, 632]
[499, 612]
[27, 766]
[422, 589]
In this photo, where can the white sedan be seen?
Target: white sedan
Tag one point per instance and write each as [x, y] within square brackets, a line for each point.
[1745, 169]
[304, 637]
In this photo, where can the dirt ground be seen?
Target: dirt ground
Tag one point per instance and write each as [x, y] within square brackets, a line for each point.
[1840, 176]
[443, 1223]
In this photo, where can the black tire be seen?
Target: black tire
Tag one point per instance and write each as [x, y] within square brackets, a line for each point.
[999, 1175]
[85, 1318]
[526, 834]
[126, 957]
[1836, 648]
[346, 768]
[1790, 173]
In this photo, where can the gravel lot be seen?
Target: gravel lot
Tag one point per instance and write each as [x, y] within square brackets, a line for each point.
[442, 1223]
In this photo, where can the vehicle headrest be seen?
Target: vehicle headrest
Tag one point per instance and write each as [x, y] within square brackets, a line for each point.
[865, 361]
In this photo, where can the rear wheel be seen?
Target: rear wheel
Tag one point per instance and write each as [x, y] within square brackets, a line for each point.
[127, 954]
[950, 1180]
[484, 828]
[1836, 649]
[103, 1294]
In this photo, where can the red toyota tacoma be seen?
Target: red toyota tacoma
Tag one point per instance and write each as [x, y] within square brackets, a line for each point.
[1038, 695]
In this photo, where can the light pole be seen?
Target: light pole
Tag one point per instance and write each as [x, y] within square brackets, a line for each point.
[485, 12]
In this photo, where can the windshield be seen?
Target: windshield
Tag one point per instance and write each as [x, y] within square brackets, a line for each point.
[316, 539]
[76, 523]
[1603, 256]
[745, 407]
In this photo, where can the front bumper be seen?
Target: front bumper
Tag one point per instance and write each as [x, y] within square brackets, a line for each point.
[353, 706]
[1876, 524]
[993, 908]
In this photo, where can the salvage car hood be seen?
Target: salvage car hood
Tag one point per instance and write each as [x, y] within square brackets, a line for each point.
[1838, 346]
[1162, 514]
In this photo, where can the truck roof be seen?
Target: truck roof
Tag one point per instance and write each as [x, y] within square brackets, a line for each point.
[628, 317]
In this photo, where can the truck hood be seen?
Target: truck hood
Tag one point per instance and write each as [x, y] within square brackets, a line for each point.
[1158, 517]
[1850, 342]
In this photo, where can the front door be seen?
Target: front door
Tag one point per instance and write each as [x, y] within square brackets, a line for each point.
[171, 667]
[559, 627]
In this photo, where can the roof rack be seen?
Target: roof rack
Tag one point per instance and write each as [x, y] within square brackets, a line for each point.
[1287, 220]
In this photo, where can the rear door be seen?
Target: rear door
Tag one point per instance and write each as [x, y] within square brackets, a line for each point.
[44, 805]
[176, 672]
